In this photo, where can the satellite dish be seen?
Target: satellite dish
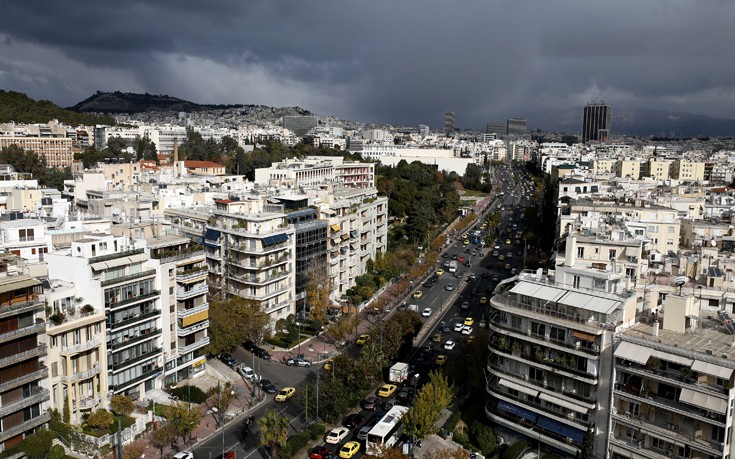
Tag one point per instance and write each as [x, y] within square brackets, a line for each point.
[681, 280]
[713, 243]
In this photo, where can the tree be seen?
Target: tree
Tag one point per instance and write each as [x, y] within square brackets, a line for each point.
[133, 450]
[341, 328]
[318, 287]
[273, 432]
[56, 452]
[183, 420]
[484, 436]
[162, 437]
[432, 398]
[121, 405]
[234, 321]
[458, 453]
[101, 419]
[38, 445]
[588, 446]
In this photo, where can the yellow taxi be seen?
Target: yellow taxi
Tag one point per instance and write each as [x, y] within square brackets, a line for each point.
[285, 394]
[469, 321]
[362, 339]
[440, 360]
[328, 365]
[349, 449]
[439, 272]
[387, 390]
[483, 300]
[418, 294]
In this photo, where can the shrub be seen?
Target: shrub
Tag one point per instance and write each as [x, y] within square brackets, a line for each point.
[183, 393]
[316, 430]
[38, 445]
[515, 450]
[100, 419]
[484, 437]
[121, 405]
[56, 452]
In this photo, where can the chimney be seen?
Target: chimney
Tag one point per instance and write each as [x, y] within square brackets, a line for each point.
[655, 327]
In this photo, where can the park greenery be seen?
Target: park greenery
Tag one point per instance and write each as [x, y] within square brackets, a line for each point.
[18, 107]
[234, 321]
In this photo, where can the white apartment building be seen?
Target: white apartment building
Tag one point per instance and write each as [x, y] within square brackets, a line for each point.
[112, 275]
[315, 170]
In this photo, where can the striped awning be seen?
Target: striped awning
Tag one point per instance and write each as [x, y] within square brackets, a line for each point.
[519, 387]
[712, 369]
[708, 402]
[633, 352]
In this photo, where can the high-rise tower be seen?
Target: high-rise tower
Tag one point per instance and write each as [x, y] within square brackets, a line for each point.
[596, 122]
[449, 122]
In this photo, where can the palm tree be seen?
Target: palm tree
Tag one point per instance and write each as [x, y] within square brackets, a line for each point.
[273, 431]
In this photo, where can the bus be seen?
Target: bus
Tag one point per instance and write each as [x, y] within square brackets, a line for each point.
[386, 431]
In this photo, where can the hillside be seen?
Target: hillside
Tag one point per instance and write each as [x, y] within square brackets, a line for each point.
[18, 107]
[126, 102]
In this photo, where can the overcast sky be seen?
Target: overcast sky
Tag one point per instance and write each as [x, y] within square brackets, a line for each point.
[396, 61]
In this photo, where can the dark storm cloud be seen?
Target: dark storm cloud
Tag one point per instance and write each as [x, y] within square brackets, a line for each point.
[379, 61]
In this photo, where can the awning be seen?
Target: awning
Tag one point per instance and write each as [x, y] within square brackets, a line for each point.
[708, 402]
[673, 358]
[584, 336]
[211, 246]
[117, 262]
[345, 236]
[517, 410]
[633, 352]
[564, 403]
[518, 387]
[353, 233]
[712, 369]
[25, 283]
[335, 228]
[272, 240]
[560, 429]
[211, 234]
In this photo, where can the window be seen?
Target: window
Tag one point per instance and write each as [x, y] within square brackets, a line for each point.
[670, 229]
[54, 369]
[77, 337]
[653, 229]
[515, 322]
[538, 329]
[88, 330]
[580, 252]
[612, 253]
[558, 334]
[97, 327]
[53, 341]
[575, 281]
[599, 284]
[25, 234]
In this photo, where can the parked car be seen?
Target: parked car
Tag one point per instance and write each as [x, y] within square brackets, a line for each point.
[387, 390]
[349, 449]
[249, 346]
[449, 345]
[298, 362]
[362, 339]
[440, 360]
[449, 287]
[458, 326]
[353, 420]
[370, 403]
[247, 373]
[262, 353]
[267, 386]
[320, 452]
[184, 455]
[228, 360]
[426, 312]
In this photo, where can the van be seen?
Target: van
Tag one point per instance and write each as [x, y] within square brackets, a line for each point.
[413, 307]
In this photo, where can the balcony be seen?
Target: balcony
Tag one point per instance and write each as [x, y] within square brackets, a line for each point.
[259, 280]
[273, 308]
[153, 353]
[82, 347]
[181, 313]
[671, 377]
[683, 409]
[244, 248]
[134, 318]
[13, 383]
[197, 290]
[129, 277]
[37, 351]
[629, 447]
[38, 395]
[38, 327]
[94, 371]
[128, 301]
[193, 346]
[192, 328]
[180, 256]
[113, 256]
[544, 340]
[192, 275]
[546, 364]
[10, 432]
[127, 341]
[273, 292]
[89, 403]
[20, 307]
[149, 375]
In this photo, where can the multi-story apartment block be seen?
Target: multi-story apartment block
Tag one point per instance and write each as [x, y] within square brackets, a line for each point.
[182, 270]
[660, 168]
[77, 352]
[250, 252]
[605, 166]
[112, 275]
[23, 371]
[575, 188]
[549, 369]
[690, 170]
[630, 168]
[311, 250]
[672, 394]
[25, 238]
[614, 253]
[316, 170]
[56, 150]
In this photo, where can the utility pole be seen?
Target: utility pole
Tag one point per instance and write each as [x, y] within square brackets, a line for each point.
[119, 438]
[317, 398]
[219, 410]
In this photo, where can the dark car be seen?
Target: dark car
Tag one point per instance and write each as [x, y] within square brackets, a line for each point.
[370, 403]
[267, 386]
[228, 360]
[428, 284]
[405, 395]
[249, 346]
[353, 420]
[261, 353]
[320, 452]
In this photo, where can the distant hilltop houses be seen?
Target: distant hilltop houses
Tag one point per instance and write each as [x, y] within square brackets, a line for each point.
[106, 283]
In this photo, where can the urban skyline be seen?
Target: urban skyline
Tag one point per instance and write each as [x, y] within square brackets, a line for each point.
[380, 62]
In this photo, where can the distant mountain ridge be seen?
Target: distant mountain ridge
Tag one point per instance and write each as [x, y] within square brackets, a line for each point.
[19, 108]
[640, 122]
[128, 102]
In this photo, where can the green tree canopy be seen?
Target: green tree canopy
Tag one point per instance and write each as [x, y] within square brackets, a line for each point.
[182, 419]
[234, 321]
[273, 432]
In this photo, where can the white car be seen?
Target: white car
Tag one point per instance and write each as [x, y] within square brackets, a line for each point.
[465, 304]
[247, 372]
[458, 326]
[426, 312]
[466, 330]
[449, 345]
[336, 435]
[449, 287]
[184, 455]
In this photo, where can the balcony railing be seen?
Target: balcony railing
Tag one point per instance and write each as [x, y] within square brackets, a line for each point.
[37, 396]
[112, 256]
[669, 405]
[95, 370]
[194, 346]
[89, 403]
[114, 345]
[245, 248]
[132, 361]
[185, 331]
[38, 374]
[181, 313]
[19, 307]
[82, 347]
[569, 392]
[672, 377]
[543, 340]
[134, 319]
[548, 365]
[203, 271]
[25, 355]
[10, 432]
[129, 277]
[35, 328]
[533, 431]
[135, 299]
[149, 375]
[180, 256]
[182, 294]
[260, 280]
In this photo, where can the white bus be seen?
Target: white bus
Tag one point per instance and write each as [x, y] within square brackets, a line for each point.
[386, 431]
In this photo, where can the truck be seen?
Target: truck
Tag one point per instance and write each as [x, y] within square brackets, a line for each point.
[398, 373]
[452, 266]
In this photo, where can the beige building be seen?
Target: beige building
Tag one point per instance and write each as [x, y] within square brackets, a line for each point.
[630, 168]
[57, 150]
[76, 352]
[660, 168]
[605, 166]
[690, 170]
